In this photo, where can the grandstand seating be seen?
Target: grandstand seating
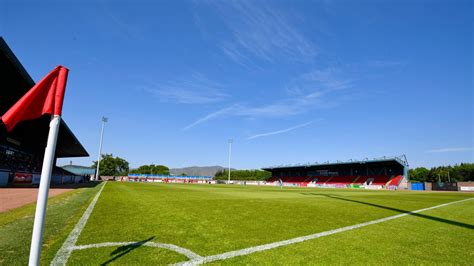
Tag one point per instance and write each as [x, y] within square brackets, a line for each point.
[297, 179]
[380, 180]
[18, 161]
[395, 181]
[341, 180]
[361, 180]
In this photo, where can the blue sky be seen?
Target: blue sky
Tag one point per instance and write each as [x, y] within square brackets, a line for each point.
[289, 81]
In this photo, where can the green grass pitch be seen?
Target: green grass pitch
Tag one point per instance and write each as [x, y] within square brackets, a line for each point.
[214, 219]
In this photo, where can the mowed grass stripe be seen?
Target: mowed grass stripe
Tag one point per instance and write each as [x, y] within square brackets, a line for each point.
[445, 240]
[216, 219]
[269, 246]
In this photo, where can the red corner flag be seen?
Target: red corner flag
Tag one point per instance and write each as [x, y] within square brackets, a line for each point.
[46, 97]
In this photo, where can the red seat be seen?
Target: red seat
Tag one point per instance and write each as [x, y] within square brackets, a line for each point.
[361, 180]
[380, 180]
[341, 180]
[396, 180]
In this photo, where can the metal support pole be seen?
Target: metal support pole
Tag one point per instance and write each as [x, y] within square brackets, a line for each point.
[230, 152]
[104, 120]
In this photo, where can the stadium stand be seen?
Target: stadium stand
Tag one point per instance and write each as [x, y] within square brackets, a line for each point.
[22, 150]
[377, 173]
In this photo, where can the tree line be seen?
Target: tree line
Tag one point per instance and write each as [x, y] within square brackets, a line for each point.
[116, 166]
[243, 175]
[151, 169]
[456, 173]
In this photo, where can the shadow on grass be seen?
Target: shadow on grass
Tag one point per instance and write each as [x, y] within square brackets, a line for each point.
[123, 250]
[455, 223]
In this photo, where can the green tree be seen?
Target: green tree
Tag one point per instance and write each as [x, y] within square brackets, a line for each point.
[111, 166]
[419, 174]
[243, 175]
[461, 172]
[151, 169]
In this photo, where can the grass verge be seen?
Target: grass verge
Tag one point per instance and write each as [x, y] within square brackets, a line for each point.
[62, 214]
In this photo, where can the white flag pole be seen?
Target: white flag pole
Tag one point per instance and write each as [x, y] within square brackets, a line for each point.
[47, 169]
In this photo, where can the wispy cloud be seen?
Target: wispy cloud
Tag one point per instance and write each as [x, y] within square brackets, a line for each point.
[219, 113]
[260, 30]
[451, 150]
[125, 28]
[196, 89]
[385, 63]
[281, 131]
[278, 109]
[237, 55]
[311, 91]
[329, 78]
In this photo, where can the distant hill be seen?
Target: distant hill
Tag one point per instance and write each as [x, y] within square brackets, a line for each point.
[197, 170]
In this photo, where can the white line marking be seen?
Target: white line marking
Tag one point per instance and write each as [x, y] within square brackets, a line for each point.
[186, 252]
[65, 251]
[246, 251]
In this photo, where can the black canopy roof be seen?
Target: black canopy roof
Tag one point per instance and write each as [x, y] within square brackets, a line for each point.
[29, 135]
